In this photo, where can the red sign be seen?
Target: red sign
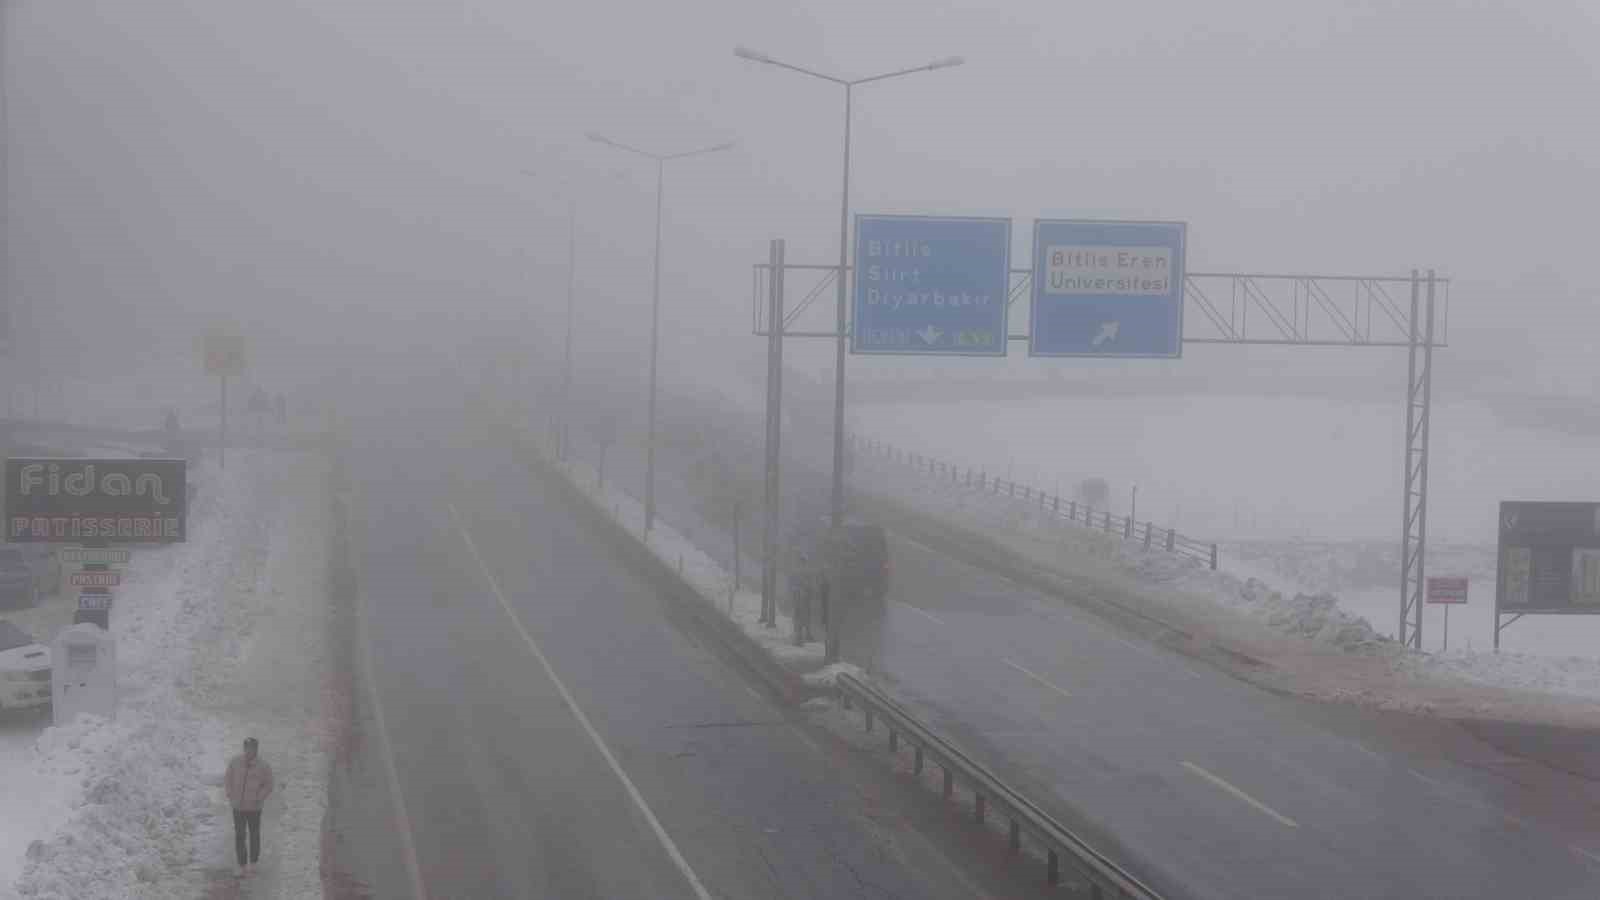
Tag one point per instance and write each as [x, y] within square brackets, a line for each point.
[1447, 590]
[223, 353]
[96, 579]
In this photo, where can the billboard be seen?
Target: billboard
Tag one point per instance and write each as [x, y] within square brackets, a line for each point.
[1107, 288]
[1549, 558]
[931, 286]
[119, 501]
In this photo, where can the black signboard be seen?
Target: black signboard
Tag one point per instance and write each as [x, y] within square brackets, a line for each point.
[116, 501]
[1549, 560]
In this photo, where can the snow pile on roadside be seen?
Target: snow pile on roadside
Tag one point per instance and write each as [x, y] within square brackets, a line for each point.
[1568, 676]
[132, 784]
[138, 801]
[147, 816]
[828, 676]
[1314, 617]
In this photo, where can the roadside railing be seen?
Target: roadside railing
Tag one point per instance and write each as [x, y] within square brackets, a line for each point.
[1052, 504]
[1106, 879]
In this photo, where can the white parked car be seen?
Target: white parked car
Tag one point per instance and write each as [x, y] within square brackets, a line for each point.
[24, 669]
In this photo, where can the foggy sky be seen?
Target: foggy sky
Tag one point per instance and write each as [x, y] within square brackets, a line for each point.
[337, 179]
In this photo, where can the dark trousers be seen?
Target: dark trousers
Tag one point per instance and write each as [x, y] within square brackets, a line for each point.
[247, 820]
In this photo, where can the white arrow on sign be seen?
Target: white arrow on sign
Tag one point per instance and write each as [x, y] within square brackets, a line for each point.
[930, 334]
[1108, 333]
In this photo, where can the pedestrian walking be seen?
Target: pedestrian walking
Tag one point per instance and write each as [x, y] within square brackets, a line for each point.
[248, 783]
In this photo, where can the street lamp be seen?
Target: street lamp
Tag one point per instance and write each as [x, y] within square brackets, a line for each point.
[566, 368]
[655, 309]
[844, 241]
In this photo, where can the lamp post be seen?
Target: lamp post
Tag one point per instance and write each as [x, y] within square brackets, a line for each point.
[844, 242]
[661, 160]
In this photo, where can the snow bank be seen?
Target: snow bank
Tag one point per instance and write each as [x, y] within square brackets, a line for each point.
[1563, 676]
[828, 676]
[143, 811]
[137, 801]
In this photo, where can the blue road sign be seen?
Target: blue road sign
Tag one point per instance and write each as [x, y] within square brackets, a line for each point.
[1107, 288]
[931, 286]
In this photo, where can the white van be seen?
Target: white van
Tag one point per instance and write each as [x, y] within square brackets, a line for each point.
[24, 669]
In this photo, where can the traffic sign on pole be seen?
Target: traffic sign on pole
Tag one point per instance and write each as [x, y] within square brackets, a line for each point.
[223, 353]
[1107, 288]
[1452, 590]
[931, 286]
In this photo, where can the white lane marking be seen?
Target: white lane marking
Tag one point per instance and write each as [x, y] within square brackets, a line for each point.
[1038, 678]
[1433, 781]
[754, 693]
[408, 841]
[1436, 782]
[577, 712]
[1368, 751]
[1592, 856]
[1222, 783]
[930, 616]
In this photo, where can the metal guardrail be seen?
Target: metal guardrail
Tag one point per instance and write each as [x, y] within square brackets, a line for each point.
[1167, 539]
[1106, 879]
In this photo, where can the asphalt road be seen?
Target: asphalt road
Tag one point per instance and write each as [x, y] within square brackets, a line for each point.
[1203, 785]
[545, 728]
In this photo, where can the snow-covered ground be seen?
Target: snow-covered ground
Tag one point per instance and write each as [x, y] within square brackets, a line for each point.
[217, 638]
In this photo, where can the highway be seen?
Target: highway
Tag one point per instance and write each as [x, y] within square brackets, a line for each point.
[541, 725]
[1201, 784]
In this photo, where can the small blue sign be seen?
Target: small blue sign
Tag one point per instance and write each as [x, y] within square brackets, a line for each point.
[1107, 289]
[931, 286]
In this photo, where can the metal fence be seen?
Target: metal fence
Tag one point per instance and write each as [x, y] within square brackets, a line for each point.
[1106, 879]
[1051, 504]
